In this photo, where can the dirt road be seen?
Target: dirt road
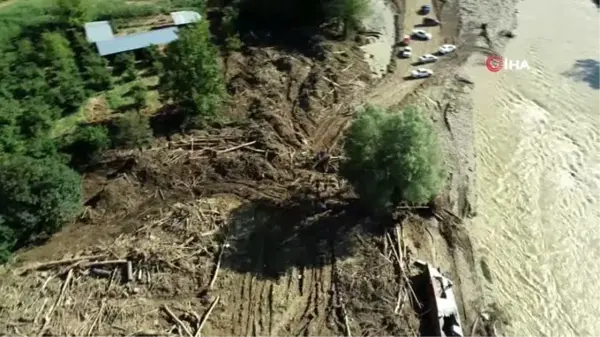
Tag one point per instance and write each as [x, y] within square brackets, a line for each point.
[393, 89]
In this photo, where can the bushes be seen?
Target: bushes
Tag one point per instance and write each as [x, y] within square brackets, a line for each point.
[229, 29]
[63, 76]
[123, 63]
[192, 77]
[38, 196]
[392, 158]
[139, 93]
[86, 144]
[132, 130]
[349, 12]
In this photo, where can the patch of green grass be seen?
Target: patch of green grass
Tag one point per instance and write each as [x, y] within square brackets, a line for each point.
[68, 123]
[151, 83]
[118, 97]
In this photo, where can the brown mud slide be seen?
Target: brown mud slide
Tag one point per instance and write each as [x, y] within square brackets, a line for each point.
[238, 230]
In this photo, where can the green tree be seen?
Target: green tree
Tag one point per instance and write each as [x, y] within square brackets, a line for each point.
[132, 130]
[192, 77]
[124, 62]
[10, 136]
[25, 78]
[38, 196]
[63, 76]
[391, 158]
[72, 13]
[36, 117]
[349, 12]
[86, 144]
[229, 29]
[96, 73]
[153, 56]
[130, 75]
[139, 93]
[151, 53]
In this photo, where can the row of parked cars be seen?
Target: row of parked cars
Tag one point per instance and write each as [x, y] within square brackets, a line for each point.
[420, 34]
[427, 58]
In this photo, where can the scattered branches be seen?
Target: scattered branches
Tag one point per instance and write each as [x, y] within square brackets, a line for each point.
[206, 315]
[177, 320]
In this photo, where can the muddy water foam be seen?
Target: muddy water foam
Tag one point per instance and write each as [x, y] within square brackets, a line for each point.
[538, 146]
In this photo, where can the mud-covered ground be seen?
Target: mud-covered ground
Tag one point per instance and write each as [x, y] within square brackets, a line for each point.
[240, 231]
[248, 193]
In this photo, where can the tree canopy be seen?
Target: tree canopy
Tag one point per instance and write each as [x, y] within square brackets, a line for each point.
[192, 77]
[392, 157]
[38, 196]
[132, 130]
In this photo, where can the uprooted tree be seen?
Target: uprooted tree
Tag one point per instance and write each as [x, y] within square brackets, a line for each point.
[392, 157]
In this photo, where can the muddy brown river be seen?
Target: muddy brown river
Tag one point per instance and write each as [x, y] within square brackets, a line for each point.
[537, 129]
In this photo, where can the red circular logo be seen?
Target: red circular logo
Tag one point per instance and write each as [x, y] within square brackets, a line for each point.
[494, 63]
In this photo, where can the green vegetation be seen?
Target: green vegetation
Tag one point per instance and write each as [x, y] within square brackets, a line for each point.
[392, 157]
[48, 71]
[349, 12]
[37, 196]
[86, 144]
[139, 93]
[192, 78]
[124, 62]
[132, 130]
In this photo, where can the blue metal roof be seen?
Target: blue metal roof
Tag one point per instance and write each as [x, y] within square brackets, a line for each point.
[98, 31]
[185, 17]
[136, 41]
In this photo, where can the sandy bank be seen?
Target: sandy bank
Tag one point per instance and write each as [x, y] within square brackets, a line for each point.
[449, 99]
[378, 51]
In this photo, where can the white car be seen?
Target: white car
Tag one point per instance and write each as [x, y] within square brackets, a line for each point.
[447, 48]
[427, 58]
[421, 73]
[407, 52]
[421, 34]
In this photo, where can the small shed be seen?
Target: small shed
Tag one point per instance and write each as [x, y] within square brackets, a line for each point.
[98, 31]
[125, 43]
[185, 17]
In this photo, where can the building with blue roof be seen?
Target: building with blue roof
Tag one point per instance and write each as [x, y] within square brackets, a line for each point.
[137, 41]
[98, 31]
[101, 33]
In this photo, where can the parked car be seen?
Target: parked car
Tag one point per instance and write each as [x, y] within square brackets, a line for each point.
[447, 49]
[430, 22]
[421, 34]
[425, 9]
[421, 73]
[427, 58]
[406, 52]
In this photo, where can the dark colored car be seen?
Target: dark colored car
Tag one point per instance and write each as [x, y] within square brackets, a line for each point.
[425, 9]
[430, 22]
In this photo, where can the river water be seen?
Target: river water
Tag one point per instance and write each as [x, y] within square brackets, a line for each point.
[538, 223]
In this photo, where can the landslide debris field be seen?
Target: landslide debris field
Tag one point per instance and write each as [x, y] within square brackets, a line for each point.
[233, 231]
